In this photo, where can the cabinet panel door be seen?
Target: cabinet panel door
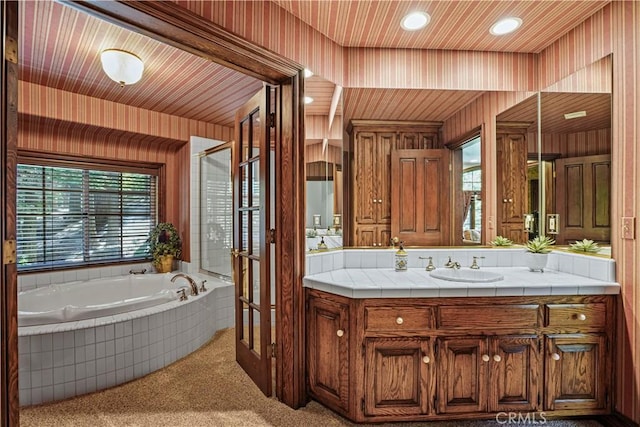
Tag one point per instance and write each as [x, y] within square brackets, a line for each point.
[329, 351]
[382, 174]
[397, 376]
[576, 368]
[462, 375]
[366, 154]
[515, 373]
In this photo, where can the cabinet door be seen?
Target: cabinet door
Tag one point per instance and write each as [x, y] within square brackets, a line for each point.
[373, 235]
[512, 181]
[366, 175]
[382, 174]
[398, 376]
[515, 375]
[328, 355]
[462, 375]
[576, 368]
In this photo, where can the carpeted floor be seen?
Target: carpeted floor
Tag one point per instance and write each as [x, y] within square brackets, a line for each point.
[206, 388]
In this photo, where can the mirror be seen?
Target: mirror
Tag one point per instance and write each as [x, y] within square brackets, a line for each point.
[323, 164]
[568, 173]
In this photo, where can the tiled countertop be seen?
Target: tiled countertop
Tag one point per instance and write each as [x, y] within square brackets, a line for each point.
[416, 282]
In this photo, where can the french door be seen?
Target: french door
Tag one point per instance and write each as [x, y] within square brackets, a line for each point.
[252, 250]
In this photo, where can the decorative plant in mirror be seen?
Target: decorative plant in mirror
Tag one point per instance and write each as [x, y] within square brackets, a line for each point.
[584, 245]
[501, 241]
[164, 245]
[538, 249]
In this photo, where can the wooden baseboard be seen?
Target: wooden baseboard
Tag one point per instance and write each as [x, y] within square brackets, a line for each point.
[616, 419]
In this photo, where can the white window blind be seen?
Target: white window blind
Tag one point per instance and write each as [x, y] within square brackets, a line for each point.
[68, 216]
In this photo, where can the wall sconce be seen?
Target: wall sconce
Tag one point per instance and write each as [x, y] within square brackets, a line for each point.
[317, 220]
[337, 221]
[121, 66]
[529, 223]
[553, 223]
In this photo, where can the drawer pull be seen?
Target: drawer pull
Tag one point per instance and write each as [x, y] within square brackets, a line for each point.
[426, 359]
[497, 357]
[399, 320]
[555, 356]
[582, 317]
[340, 332]
[485, 358]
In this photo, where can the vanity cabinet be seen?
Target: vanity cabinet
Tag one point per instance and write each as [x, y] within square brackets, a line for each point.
[413, 359]
[368, 183]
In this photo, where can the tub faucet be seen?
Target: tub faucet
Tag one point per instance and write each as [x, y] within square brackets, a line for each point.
[192, 283]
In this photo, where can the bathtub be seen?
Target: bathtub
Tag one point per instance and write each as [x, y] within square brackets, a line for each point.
[71, 358]
[95, 298]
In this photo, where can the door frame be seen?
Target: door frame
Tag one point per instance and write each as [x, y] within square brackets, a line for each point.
[9, 397]
[181, 28]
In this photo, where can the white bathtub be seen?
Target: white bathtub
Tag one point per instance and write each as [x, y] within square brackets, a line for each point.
[95, 298]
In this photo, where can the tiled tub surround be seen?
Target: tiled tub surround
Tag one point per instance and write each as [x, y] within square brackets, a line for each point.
[63, 360]
[370, 274]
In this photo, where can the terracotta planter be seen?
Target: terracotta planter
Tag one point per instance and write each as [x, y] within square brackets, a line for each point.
[535, 261]
[165, 265]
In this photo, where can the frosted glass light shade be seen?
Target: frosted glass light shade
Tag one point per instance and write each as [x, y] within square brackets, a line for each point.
[122, 67]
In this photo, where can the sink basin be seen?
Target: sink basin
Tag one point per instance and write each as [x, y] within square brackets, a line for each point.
[467, 275]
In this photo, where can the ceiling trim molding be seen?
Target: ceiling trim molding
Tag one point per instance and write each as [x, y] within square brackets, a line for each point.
[188, 31]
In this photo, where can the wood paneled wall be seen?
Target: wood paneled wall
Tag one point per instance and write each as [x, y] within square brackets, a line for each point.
[572, 144]
[52, 120]
[317, 127]
[314, 153]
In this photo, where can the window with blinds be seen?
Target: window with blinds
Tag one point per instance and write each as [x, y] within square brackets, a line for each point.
[70, 216]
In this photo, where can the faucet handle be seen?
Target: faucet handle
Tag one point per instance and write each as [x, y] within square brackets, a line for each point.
[202, 288]
[474, 264]
[183, 295]
[430, 266]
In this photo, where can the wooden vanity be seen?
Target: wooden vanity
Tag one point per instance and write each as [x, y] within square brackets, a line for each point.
[412, 359]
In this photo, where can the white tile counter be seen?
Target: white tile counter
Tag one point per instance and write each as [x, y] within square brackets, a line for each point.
[372, 276]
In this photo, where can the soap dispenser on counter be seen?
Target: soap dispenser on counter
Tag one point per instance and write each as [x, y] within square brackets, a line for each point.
[401, 259]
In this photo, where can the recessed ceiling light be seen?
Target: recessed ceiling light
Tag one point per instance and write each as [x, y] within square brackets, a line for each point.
[575, 115]
[307, 73]
[505, 26]
[415, 21]
[308, 100]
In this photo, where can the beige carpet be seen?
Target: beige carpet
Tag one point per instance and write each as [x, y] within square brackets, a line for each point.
[206, 388]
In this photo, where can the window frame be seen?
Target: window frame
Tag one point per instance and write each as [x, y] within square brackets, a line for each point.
[39, 158]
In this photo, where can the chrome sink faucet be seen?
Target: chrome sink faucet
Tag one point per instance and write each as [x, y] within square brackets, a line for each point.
[452, 264]
[192, 283]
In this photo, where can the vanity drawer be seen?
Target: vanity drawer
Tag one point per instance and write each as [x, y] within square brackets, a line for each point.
[592, 315]
[489, 316]
[397, 318]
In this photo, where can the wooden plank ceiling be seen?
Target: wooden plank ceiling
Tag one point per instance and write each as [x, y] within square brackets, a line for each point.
[59, 47]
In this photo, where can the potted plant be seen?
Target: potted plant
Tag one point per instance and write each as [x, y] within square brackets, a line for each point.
[165, 245]
[538, 249]
[501, 241]
[584, 245]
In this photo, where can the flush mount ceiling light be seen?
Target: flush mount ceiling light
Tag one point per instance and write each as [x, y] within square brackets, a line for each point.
[308, 100]
[307, 73]
[121, 66]
[575, 115]
[505, 26]
[415, 21]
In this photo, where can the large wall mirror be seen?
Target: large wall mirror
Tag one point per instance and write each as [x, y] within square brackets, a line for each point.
[323, 164]
[566, 130]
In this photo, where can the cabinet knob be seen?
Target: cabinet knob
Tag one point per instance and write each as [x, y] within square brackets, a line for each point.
[375, 201]
[340, 332]
[504, 200]
[582, 316]
[379, 200]
[555, 356]
[485, 358]
[399, 320]
[426, 359]
[375, 244]
[510, 200]
[497, 357]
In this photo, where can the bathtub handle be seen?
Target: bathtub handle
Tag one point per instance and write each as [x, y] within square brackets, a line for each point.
[202, 288]
[144, 270]
[183, 295]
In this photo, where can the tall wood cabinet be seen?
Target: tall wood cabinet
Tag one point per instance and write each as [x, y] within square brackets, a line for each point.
[368, 182]
[511, 151]
[395, 359]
